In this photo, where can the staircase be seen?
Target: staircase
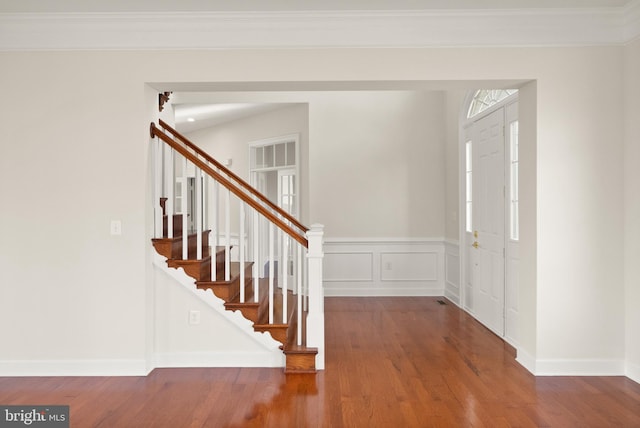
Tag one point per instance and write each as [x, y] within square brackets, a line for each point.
[284, 299]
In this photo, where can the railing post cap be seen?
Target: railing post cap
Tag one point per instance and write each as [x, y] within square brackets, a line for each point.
[316, 230]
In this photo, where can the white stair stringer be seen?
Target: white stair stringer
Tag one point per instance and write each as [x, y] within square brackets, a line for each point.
[269, 354]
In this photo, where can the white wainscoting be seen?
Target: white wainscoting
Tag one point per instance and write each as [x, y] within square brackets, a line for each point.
[384, 267]
[452, 271]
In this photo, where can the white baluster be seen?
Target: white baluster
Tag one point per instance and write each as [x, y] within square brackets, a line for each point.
[241, 239]
[156, 145]
[315, 317]
[305, 285]
[198, 214]
[256, 256]
[279, 253]
[299, 287]
[285, 276]
[170, 183]
[227, 244]
[271, 272]
[215, 212]
[183, 206]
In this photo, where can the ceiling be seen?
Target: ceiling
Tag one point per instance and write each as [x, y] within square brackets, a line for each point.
[192, 117]
[93, 6]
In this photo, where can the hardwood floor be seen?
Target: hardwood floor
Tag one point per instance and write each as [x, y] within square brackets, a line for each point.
[390, 362]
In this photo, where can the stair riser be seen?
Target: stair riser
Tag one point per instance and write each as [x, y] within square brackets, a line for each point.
[200, 270]
[250, 312]
[177, 225]
[171, 248]
[300, 363]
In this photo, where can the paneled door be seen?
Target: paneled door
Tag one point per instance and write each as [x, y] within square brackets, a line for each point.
[486, 249]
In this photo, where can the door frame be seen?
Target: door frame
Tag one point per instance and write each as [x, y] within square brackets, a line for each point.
[464, 134]
[255, 173]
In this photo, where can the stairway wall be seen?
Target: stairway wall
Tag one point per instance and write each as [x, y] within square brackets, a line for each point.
[221, 339]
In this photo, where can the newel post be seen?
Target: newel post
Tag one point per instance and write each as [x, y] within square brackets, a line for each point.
[315, 317]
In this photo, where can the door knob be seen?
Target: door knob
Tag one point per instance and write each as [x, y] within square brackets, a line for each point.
[475, 244]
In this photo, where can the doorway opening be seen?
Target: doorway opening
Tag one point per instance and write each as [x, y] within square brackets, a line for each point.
[274, 171]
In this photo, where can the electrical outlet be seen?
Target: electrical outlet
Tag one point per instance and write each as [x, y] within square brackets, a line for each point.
[116, 227]
[194, 317]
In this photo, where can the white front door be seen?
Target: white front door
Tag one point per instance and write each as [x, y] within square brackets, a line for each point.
[486, 243]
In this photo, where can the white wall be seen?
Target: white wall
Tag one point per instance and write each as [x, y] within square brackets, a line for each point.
[69, 290]
[632, 208]
[527, 250]
[580, 222]
[53, 138]
[376, 166]
[219, 338]
[453, 104]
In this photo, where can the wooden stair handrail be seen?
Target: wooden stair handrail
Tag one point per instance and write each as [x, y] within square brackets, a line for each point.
[155, 132]
[231, 174]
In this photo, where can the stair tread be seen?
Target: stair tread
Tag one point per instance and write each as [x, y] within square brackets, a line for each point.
[299, 349]
[179, 236]
[233, 275]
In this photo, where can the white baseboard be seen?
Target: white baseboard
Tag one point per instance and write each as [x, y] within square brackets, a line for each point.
[452, 271]
[74, 368]
[582, 367]
[383, 292]
[383, 267]
[219, 359]
[632, 371]
[139, 367]
[454, 299]
[526, 360]
[572, 367]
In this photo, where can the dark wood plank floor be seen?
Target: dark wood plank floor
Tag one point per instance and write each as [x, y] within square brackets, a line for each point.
[390, 362]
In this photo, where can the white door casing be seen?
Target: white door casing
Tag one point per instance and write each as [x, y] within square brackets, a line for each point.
[274, 171]
[512, 259]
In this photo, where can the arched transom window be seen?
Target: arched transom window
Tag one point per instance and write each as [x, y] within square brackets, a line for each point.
[485, 98]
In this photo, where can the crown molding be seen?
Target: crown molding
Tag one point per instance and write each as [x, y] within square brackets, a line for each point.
[631, 21]
[320, 29]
